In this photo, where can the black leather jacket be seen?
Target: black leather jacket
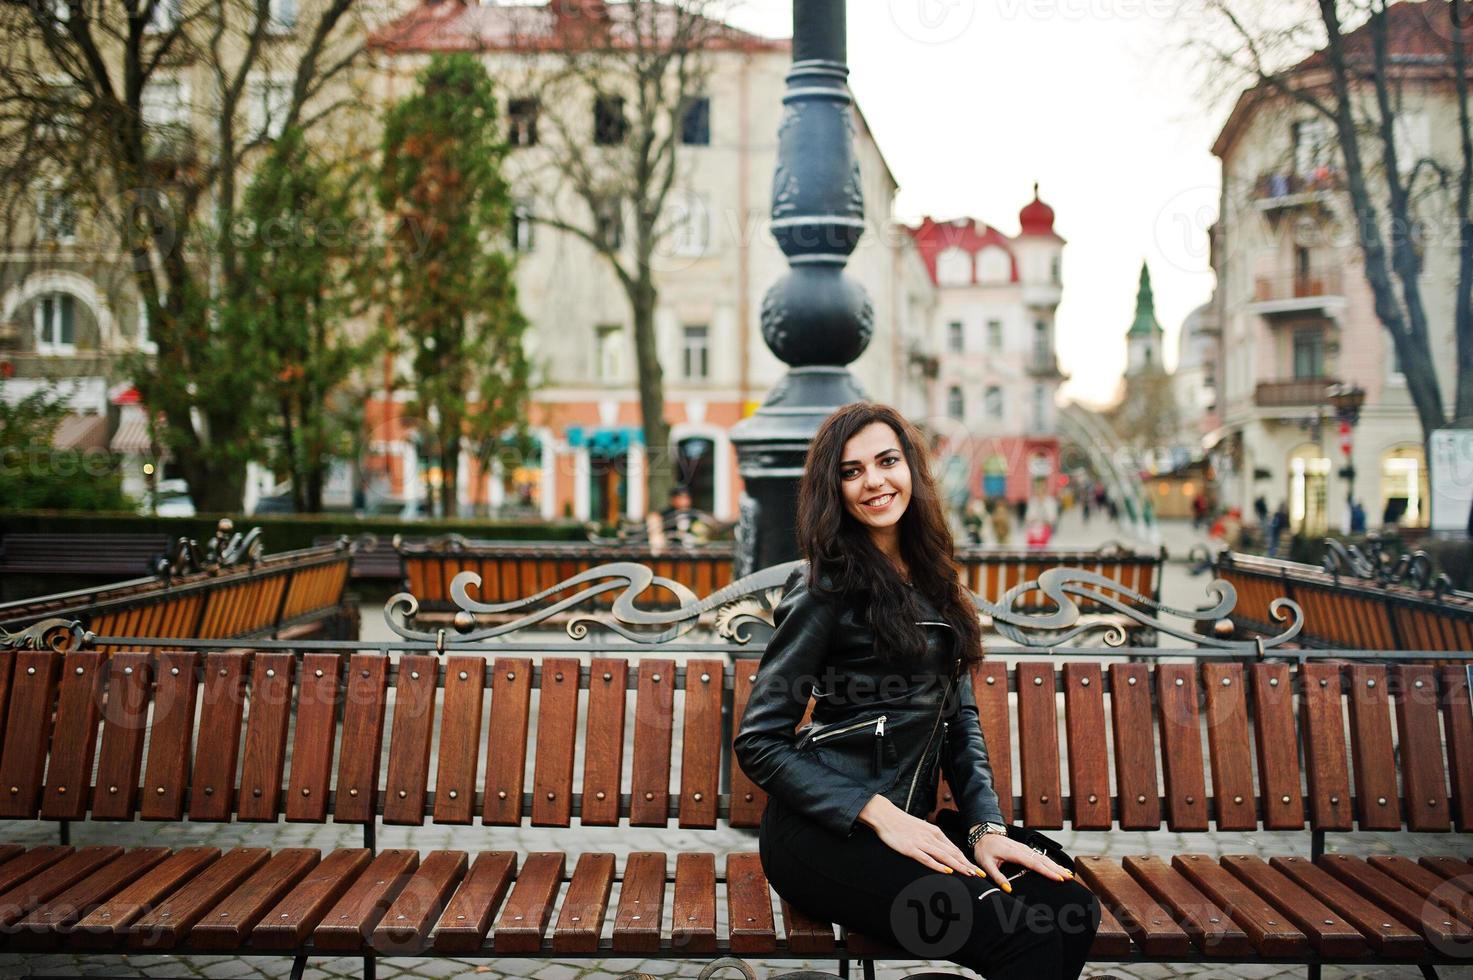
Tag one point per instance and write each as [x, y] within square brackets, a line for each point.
[876, 728]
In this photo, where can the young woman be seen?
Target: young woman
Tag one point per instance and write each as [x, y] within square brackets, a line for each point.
[880, 631]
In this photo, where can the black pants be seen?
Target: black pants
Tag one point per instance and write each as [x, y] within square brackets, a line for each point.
[1043, 929]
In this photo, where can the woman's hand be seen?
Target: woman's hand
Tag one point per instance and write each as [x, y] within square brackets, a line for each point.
[993, 849]
[916, 838]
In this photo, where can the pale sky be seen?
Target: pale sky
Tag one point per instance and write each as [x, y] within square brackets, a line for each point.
[973, 100]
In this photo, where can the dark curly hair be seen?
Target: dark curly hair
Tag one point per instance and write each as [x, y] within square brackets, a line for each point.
[843, 562]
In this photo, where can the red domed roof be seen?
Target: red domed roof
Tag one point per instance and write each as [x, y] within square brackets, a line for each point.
[1036, 218]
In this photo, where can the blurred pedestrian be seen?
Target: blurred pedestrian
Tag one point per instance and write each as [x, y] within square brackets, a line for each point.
[1002, 524]
[1276, 526]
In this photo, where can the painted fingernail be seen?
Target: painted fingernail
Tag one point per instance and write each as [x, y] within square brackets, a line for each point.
[1007, 887]
[979, 873]
[947, 870]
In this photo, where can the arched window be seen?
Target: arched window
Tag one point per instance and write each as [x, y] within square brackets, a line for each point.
[56, 323]
[1403, 487]
[1309, 474]
[954, 267]
[955, 403]
[994, 265]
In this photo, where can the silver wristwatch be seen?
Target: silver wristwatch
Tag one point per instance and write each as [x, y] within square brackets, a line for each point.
[984, 830]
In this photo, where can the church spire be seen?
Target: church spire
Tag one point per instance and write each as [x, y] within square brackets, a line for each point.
[1145, 308]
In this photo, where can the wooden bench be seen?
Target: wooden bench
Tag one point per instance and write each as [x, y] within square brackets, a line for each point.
[276, 711]
[112, 556]
[1345, 610]
[291, 593]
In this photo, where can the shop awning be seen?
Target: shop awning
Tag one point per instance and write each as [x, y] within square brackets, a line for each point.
[80, 432]
[132, 434]
[605, 441]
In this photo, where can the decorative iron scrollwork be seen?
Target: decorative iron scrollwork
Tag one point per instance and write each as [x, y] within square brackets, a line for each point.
[1377, 564]
[751, 599]
[226, 549]
[59, 635]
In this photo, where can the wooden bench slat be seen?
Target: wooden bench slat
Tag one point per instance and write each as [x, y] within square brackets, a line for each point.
[460, 740]
[226, 925]
[1278, 747]
[222, 705]
[1329, 934]
[42, 928]
[1457, 720]
[108, 923]
[1419, 741]
[1324, 748]
[1269, 929]
[581, 918]
[654, 721]
[1089, 754]
[124, 724]
[467, 917]
[265, 740]
[990, 688]
[1181, 747]
[804, 934]
[1229, 746]
[1111, 940]
[409, 746]
[27, 732]
[523, 919]
[1135, 747]
[1208, 927]
[1425, 882]
[292, 919]
[641, 903]
[506, 740]
[407, 923]
[557, 735]
[74, 740]
[162, 926]
[350, 922]
[693, 912]
[1383, 930]
[169, 737]
[700, 753]
[363, 738]
[1147, 923]
[603, 755]
[1437, 925]
[1371, 750]
[1038, 745]
[18, 901]
[748, 800]
[748, 905]
[311, 758]
[9, 852]
[19, 869]
[1456, 870]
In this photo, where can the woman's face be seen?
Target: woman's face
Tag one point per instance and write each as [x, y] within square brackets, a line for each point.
[874, 477]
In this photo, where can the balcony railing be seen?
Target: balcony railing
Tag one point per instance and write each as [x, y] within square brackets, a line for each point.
[1273, 187]
[1043, 364]
[1268, 289]
[1295, 393]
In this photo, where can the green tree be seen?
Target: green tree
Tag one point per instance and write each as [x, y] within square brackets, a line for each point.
[451, 284]
[305, 274]
[34, 475]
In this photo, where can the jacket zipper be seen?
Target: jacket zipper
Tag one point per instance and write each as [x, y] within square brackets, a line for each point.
[879, 724]
[925, 753]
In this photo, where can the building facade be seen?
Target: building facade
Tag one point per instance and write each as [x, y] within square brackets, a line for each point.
[997, 378]
[1297, 315]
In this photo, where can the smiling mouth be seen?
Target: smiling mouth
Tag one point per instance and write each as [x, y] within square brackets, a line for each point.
[880, 502]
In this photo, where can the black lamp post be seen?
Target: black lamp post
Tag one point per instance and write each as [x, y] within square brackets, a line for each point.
[814, 319]
[1347, 400]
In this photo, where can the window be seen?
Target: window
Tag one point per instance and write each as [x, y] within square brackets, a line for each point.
[609, 125]
[695, 351]
[521, 122]
[954, 267]
[992, 402]
[1314, 146]
[695, 121]
[610, 341]
[63, 120]
[1040, 408]
[1412, 137]
[268, 100]
[955, 341]
[282, 16]
[167, 15]
[521, 228]
[1309, 354]
[994, 265]
[955, 405]
[1148, 355]
[994, 335]
[1040, 342]
[165, 114]
[690, 225]
[609, 223]
[1054, 270]
[1395, 356]
[56, 324]
[56, 216]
